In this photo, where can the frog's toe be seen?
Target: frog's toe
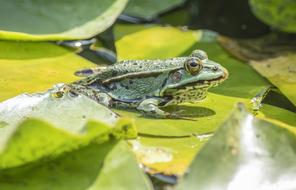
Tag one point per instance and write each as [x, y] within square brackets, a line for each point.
[84, 72]
[88, 72]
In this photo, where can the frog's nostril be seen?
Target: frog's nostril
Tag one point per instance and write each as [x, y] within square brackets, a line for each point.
[215, 68]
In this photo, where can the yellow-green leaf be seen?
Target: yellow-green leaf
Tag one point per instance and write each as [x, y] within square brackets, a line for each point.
[35, 66]
[280, 71]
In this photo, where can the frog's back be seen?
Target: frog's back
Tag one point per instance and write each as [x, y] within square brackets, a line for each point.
[136, 89]
[139, 66]
[133, 79]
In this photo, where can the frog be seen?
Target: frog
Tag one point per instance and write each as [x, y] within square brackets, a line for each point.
[150, 85]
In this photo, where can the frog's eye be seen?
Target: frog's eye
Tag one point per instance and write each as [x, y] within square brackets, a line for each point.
[193, 65]
[199, 54]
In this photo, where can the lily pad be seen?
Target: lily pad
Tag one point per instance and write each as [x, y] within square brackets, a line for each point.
[153, 42]
[281, 72]
[94, 167]
[57, 20]
[64, 112]
[245, 151]
[44, 141]
[150, 9]
[26, 67]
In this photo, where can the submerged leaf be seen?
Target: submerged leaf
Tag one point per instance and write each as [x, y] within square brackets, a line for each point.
[264, 47]
[150, 9]
[57, 20]
[245, 153]
[277, 13]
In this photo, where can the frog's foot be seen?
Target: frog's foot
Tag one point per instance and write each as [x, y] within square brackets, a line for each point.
[150, 107]
[59, 90]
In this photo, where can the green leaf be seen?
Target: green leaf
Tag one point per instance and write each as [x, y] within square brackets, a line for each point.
[27, 67]
[150, 9]
[97, 166]
[245, 153]
[121, 171]
[44, 141]
[57, 20]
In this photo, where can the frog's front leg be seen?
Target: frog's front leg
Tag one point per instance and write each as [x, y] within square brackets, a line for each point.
[150, 107]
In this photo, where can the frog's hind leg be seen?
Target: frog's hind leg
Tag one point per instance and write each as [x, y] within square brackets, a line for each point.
[96, 95]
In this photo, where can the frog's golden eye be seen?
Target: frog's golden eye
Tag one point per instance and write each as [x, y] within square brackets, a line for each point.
[199, 54]
[193, 65]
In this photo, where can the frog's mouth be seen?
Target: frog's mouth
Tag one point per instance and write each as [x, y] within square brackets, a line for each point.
[207, 83]
[203, 85]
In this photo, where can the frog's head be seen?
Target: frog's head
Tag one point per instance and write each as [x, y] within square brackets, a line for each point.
[192, 80]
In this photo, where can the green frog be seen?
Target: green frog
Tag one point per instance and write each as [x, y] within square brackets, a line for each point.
[148, 85]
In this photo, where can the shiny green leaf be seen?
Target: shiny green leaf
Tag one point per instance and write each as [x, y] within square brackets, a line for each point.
[57, 20]
[245, 153]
